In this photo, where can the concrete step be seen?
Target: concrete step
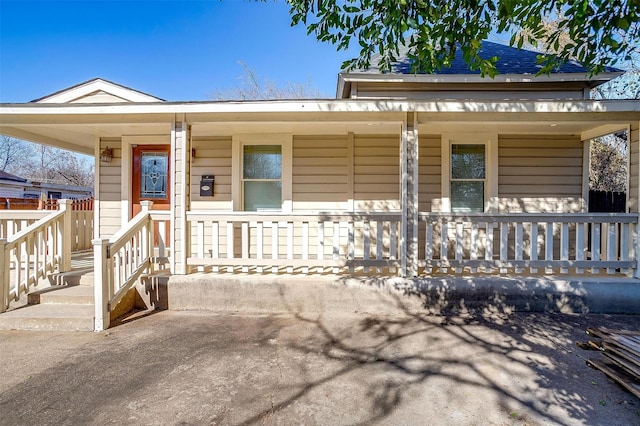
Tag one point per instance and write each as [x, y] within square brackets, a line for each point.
[73, 278]
[64, 294]
[49, 317]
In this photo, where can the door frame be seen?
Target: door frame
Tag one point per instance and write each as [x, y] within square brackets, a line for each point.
[126, 183]
[135, 183]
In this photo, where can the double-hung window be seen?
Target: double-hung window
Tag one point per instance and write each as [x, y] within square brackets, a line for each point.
[262, 177]
[468, 177]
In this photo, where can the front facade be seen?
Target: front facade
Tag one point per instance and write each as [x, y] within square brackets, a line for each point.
[402, 174]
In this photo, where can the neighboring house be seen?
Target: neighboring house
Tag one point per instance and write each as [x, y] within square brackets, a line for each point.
[12, 186]
[403, 173]
[16, 187]
[57, 191]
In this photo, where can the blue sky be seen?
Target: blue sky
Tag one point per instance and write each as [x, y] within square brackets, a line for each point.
[176, 50]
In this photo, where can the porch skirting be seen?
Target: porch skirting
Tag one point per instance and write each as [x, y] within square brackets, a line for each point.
[315, 295]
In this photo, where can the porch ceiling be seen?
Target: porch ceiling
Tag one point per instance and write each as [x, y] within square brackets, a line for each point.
[76, 127]
[80, 137]
[297, 128]
[586, 130]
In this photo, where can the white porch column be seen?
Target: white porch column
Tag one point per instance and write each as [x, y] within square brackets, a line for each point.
[179, 235]
[409, 187]
[101, 283]
[634, 183]
[64, 237]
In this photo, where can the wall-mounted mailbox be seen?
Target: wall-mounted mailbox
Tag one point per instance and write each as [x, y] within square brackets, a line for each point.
[206, 185]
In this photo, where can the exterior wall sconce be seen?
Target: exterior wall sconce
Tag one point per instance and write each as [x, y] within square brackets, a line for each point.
[106, 155]
[193, 153]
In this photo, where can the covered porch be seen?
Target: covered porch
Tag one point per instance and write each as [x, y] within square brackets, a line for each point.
[365, 189]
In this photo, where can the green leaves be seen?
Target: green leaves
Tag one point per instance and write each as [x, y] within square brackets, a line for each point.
[593, 32]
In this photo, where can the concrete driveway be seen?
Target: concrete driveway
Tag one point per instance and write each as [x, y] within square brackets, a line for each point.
[207, 369]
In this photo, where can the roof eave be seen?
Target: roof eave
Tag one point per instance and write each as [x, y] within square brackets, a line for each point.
[592, 81]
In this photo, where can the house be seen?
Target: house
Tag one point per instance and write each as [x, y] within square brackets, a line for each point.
[12, 186]
[402, 174]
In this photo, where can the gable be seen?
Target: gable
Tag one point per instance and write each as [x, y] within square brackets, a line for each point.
[97, 91]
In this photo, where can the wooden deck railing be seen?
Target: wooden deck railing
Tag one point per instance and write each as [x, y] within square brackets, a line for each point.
[29, 253]
[526, 243]
[307, 243]
[449, 243]
[13, 221]
[119, 261]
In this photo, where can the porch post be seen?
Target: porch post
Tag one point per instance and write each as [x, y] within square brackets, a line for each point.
[179, 235]
[634, 184]
[4, 275]
[65, 235]
[409, 186]
[101, 273]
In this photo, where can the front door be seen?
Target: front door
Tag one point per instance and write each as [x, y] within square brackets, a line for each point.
[151, 181]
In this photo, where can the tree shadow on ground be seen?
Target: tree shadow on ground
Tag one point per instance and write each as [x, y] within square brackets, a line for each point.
[525, 364]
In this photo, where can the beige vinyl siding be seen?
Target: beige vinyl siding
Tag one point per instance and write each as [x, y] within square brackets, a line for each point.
[634, 169]
[465, 91]
[540, 173]
[377, 173]
[213, 157]
[320, 173]
[429, 171]
[109, 191]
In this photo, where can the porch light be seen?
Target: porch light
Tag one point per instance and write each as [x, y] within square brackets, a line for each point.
[106, 155]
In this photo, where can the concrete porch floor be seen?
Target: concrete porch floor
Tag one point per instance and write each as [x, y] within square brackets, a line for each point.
[441, 294]
[65, 302]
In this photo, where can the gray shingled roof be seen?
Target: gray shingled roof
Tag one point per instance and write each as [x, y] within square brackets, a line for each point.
[512, 61]
[10, 177]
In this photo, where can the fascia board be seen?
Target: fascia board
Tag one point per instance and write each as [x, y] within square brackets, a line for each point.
[158, 110]
[476, 78]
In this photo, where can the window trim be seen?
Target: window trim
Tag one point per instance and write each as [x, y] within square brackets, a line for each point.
[490, 141]
[238, 143]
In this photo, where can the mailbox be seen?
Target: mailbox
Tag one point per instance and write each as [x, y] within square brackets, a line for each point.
[206, 185]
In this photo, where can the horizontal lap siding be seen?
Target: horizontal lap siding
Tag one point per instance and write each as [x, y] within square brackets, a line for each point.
[634, 167]
[320, 173]
[539, 173]
[109, 191]
[430, 170]
[213, 157]
[376, 172]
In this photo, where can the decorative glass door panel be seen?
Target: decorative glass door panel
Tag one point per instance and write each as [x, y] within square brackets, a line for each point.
[151, 181]
[154, 175]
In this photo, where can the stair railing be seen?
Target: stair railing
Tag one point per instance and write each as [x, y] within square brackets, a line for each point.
[35, 251]
[120, 261]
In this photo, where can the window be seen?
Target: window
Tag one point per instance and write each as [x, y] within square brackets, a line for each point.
[468, 177]
[154, 174]
[262, 177]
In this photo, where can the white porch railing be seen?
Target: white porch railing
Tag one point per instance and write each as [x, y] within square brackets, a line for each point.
[82, 218]
[14, 221]
[524, 243]
[119, 261]
[307, 243]
[29, 253]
